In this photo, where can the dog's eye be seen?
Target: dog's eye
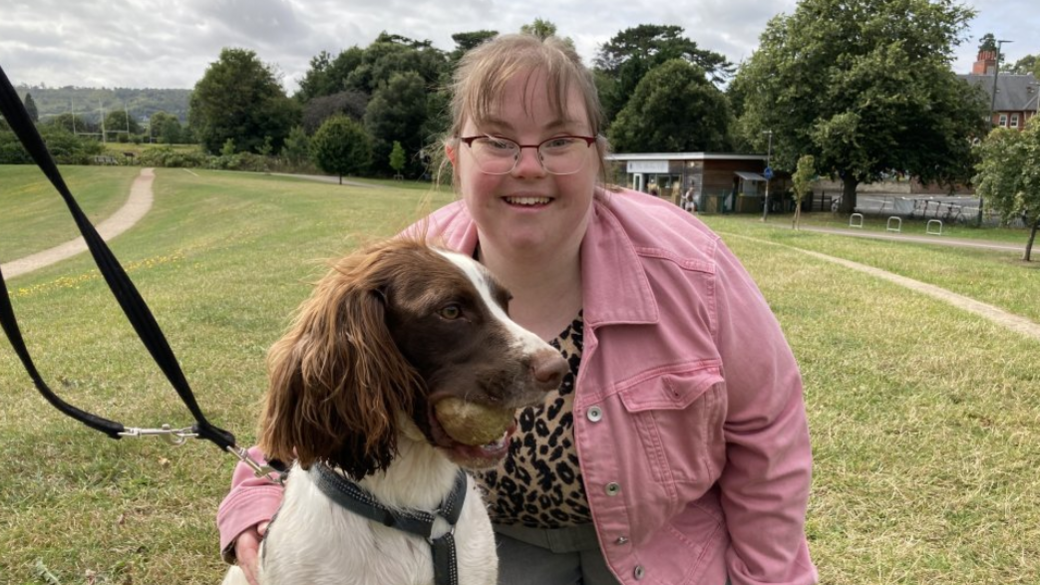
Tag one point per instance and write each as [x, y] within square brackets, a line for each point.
[450, 312]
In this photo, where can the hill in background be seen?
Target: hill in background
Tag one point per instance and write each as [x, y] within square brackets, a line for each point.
[88, 102]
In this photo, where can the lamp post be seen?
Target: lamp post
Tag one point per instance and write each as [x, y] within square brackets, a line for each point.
[769, 174]
[996, 72]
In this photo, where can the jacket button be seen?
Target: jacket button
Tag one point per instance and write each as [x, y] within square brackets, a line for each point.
[639, 572]
[613, 488]
[595, 414]
[621, 540]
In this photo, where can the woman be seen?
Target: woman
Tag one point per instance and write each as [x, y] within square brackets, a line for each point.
[678, 448]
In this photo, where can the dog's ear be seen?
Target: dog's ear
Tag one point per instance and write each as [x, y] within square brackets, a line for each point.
[337, 380]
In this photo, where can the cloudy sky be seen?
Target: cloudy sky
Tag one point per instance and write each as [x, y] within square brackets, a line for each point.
[169, 43]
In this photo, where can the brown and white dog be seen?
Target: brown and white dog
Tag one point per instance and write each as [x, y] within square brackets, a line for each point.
[386, 334]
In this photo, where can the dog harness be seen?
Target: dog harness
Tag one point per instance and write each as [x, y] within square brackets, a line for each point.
[353, 497]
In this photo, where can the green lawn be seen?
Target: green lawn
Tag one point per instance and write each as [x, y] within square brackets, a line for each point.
[34, 215]
[924, 418]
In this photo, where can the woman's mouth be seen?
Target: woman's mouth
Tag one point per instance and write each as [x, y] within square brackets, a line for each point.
[527, 201]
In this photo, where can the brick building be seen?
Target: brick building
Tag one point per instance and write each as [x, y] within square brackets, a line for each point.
[1018, 96]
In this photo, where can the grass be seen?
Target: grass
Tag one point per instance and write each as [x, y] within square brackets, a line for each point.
[34, 215]
[999, 278]
[924, 419]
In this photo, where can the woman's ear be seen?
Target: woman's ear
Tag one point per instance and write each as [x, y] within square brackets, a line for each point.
[450, 152]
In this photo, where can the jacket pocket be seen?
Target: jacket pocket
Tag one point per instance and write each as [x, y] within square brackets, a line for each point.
[678, 413]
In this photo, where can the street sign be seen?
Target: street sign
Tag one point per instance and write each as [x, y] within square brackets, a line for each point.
[768, 173]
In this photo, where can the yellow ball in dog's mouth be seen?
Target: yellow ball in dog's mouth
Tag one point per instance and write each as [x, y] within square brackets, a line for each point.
[473, 424]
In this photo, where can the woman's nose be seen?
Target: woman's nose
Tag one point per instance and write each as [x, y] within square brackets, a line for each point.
[528, 163]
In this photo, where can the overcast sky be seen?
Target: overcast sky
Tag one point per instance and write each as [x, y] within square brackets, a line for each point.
[169, 43]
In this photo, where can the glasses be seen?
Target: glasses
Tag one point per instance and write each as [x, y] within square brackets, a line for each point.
[559, 155]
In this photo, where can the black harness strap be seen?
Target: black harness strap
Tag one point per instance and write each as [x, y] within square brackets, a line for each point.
[354, 498]
[119, 283]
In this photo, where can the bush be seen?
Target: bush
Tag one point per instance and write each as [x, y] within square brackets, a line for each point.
[166, 156]
[65, 147]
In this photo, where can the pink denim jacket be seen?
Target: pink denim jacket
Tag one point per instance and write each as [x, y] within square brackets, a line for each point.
[688, 413]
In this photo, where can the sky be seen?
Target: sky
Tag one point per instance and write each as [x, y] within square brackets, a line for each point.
[170, 43]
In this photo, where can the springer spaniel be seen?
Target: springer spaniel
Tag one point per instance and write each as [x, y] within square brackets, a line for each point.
[388, 333]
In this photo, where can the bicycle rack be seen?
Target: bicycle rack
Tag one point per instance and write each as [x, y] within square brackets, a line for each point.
[928, 228]
[853, 217]
[899, 224]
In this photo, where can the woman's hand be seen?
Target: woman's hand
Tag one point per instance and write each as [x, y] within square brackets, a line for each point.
[247, 551]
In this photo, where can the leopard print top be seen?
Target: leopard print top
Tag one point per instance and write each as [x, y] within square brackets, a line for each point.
[539, 484]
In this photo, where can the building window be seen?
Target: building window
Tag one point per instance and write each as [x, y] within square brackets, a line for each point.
[1003, 120]
[1014, 120]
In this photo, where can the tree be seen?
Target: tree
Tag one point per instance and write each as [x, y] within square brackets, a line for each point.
[31, 109]
[1008, 178]
[350, 102]
[673, 109]
[540, 28]
[239, 97]
[119, 121]
[623, 61]
[865, 86]
[328, 76]
[397, 112]
[341, 147]
[397, 158]
[297, 146]
[802, 181]
[72, 123]
[391, 54]
[1026, 65]
[165, 128]
[466, 41]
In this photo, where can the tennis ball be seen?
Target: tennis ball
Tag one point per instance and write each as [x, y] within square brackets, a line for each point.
[473, 424]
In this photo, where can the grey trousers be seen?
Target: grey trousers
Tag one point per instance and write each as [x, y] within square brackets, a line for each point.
[561, 556]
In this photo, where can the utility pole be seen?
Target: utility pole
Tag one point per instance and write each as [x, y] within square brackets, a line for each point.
[768, 174]
[996, 72]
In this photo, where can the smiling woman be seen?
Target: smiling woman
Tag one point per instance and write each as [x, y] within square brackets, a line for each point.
[677, 445]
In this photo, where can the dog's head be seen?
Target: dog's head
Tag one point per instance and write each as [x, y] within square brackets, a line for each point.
[387, 333]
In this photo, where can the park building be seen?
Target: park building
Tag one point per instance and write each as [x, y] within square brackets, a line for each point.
[714, 182]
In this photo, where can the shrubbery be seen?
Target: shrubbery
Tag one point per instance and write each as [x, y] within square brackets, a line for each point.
[65, 147]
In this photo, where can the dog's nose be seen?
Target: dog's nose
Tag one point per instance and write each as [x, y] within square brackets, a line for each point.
[549, 367]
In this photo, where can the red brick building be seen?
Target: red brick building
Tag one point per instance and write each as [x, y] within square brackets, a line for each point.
[1018, 96]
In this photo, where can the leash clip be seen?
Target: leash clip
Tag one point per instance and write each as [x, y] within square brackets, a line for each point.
[170, 435]
[260, 471]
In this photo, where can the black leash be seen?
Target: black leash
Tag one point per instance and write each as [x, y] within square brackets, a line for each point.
[126, 294]
[419, 522]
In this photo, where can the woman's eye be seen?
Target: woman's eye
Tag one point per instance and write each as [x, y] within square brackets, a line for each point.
[450, 312]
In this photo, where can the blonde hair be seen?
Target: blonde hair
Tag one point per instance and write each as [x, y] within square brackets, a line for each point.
[480, 79]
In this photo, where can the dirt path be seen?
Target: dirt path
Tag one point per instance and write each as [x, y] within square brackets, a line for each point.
[994, 314]
[136, 206]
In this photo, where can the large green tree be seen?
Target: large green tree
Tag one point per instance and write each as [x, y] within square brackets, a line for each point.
[673, 109]
[239, 98]
[397, 112]
[624, 60]
[341, 147]
[865, 86]
[1008, 178]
